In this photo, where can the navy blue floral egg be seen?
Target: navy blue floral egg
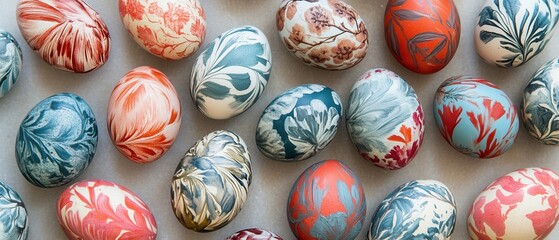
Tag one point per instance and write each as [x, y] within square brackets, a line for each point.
[13, 214]
[299, 123]
[10, 62]
[56, 140]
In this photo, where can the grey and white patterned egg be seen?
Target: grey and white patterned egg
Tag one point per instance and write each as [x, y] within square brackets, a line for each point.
[10, 61]
[13, 215]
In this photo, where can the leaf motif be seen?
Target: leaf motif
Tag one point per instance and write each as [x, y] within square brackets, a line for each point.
[425, 37]
[488, 36]
[393, 40]
[486, 16]
[395, 3]
[511, 8]
[410, 15]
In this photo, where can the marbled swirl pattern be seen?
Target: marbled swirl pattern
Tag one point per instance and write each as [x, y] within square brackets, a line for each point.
[254, 234]
[14, 219]
[10, 62]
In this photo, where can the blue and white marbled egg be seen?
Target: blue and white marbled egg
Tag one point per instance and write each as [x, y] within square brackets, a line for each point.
[420, 209]
[299, 123]
[13, 215]
[10, 62]
[231, 74]
[56, 140]
[211, 182]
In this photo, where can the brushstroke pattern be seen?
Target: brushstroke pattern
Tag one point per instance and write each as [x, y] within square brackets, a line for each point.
[10, 62]
[14, 222]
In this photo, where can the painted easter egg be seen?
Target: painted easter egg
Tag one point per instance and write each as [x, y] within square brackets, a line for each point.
[169, 29]
[254, 234]
[326, 202]
[56, 140]
[385, 119]
[211, 182]
[10, 62]
[519, 205]
[422, 35]
[510, 33]
[420, 209]
[540, 106]
[327, 34]
[230, 75]
[98, 209]
[475, 116]
[13, 215]
[67, 34]
[299, 123]
[144, 115]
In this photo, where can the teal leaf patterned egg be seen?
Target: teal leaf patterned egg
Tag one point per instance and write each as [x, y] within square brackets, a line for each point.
[231, 74]
[385, 119]
[211, 182]
[56, 140]
[420, 209]
[13, 215]
[299, 123]
[10, 62]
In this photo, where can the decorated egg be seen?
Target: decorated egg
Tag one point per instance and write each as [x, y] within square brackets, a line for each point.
[230, 75]
[56, 140]
[420, 209]
[211, 182]
[299, 123]
[327, 34]
[13, 214]
[422, 35]
[475, 116]
[510, 33]
[144, 115]
[540, 106]
[254, 234]
[519, 205]
[326, 202]
[10, 62]
[98, 209]
[169, 29]
[67, 34]
[385, 119]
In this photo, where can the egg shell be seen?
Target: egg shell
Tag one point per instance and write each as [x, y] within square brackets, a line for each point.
[510, 33]
[14, 223]
[231, 74]
[56, 141]
[10, 61]
[540, 106]
[254, 234]
[422, 35]
[67, 34]
[326, 202]
[99, 209]
[144, 115]
[211, 182]
[420, 209]
[327, 34]
[475, 116]
[519, 205]
[299, 123]
[169, 29]
[385, 119]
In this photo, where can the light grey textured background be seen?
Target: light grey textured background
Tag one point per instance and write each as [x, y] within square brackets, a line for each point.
[272, 181]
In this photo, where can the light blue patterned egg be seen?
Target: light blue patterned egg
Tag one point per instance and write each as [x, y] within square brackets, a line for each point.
[13, 215]
[211, 182]
[509, 33]
[420, 209]
[56, 140]
[231, 74]
[540, 104]
[10, 62]
[299, 123]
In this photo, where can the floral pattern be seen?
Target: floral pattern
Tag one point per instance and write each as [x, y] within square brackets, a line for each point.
[98, 209]
[254, 234]
[420, 209]
[299, 123]
[328, 34]
[56, 141]
[385, 119]
[10, 62]
[230, 75]
[170, 29]
[509, 33]
[475, 116]
[326, 202]
[528, 196]
[211, 182]
[144, 115]
[67, 34]
[14, 223]
[422, 35]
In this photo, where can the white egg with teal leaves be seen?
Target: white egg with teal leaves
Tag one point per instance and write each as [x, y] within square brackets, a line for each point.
[10, 62]
[14, 220]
